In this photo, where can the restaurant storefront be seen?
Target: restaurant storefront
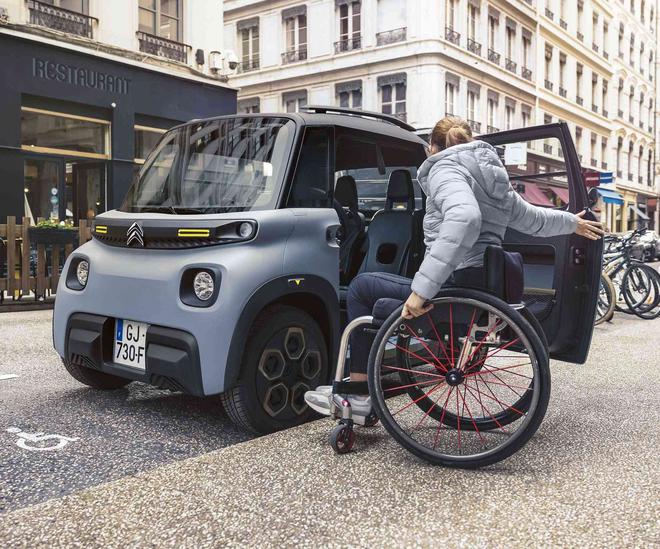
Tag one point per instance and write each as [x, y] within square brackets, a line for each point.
[76, 126]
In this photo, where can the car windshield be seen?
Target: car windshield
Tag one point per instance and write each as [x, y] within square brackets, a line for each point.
[224, 165]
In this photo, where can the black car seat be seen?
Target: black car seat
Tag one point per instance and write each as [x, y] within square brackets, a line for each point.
[352, 227]
[390, 232]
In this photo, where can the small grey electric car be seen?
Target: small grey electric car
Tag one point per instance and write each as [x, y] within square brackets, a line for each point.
[225, 269]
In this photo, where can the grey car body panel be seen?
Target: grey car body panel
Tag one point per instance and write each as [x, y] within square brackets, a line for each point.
[143, 285]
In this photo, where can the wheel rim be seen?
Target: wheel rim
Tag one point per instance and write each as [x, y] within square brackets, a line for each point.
[290, 365]
[508, 376]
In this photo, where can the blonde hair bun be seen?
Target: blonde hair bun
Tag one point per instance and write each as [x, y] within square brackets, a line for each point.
[451, 131]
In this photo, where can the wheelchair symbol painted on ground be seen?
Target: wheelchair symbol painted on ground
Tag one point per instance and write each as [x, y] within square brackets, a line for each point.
[40, 442]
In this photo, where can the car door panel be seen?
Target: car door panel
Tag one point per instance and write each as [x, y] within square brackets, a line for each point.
[562, 272]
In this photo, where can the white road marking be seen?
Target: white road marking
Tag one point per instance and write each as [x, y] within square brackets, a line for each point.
[25, 440]
[7, 376]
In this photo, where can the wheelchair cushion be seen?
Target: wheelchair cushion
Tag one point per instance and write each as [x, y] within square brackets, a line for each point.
[504, 274]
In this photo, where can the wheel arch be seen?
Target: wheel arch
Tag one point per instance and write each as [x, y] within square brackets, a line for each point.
[310, 293]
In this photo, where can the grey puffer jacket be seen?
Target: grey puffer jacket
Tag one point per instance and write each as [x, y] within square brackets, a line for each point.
[470, 203]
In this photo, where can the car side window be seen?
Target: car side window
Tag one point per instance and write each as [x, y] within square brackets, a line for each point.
[311, 182]
[537, 171]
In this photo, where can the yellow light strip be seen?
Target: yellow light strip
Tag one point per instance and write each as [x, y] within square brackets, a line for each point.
[193, 233]
[101, 229]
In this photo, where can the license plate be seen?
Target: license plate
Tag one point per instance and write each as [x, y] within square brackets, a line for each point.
[130, 343]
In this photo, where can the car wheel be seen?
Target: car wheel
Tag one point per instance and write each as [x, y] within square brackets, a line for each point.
[94, 378]
[285, 356]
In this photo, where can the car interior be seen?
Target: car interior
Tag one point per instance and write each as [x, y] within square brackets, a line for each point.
[381, 208]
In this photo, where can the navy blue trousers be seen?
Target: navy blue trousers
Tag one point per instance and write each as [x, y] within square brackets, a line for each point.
[367, 288]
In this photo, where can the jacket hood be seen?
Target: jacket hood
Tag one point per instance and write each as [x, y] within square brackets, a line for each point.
[479, 158]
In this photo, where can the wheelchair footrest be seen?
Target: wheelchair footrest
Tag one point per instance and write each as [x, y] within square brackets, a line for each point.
[350, 388]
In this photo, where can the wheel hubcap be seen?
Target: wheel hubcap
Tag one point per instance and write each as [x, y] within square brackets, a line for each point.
[454, 377]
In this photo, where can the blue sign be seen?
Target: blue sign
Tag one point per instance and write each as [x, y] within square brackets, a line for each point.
[120, 329]
[606, 177]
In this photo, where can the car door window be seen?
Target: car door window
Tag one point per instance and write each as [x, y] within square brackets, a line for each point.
[311, 182]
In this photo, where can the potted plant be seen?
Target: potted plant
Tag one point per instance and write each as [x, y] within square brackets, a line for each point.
[48, 231]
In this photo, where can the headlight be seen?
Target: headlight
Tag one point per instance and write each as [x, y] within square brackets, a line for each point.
[203, 285]
[245, 230]
[82, 272]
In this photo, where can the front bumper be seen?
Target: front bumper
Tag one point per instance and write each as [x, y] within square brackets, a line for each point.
[172, 356]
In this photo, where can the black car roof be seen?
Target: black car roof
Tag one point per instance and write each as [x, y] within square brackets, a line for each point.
[356, 120]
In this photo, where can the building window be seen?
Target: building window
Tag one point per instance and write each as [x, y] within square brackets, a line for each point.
[510, 42]
[294, 101]
[295, 34]
[393, 95]
[450, 14]
[349, 94]
[493, 26]
[451, 90]
[527, 50]
[58, 133]
[473, 108]
[492, 113]
[146, 139]
[578, 83]
[526, 117]
[350, 17]
[248, 106]
[161, 18]
[248, 34]
[473, 21]
[509, 115]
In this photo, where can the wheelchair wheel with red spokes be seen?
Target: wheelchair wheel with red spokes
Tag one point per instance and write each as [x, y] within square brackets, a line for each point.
[473, 380]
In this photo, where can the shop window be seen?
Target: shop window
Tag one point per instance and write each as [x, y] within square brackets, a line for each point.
[41, 188]
[161, 18]
[50, 132]
[146, 139]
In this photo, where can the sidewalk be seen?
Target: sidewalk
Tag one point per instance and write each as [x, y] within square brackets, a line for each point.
[589, 478]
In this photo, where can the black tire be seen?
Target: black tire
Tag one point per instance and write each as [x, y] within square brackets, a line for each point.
[94, 378]
[342, 438]
[606, 300]
[538, 359]
[279, 366]
[649, 284]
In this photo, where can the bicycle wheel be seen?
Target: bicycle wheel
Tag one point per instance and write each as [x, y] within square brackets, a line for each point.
[450, 367]
[606, 300]
[641, 290]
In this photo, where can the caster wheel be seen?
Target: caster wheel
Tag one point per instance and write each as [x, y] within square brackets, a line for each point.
[342, 439]
[371, 420]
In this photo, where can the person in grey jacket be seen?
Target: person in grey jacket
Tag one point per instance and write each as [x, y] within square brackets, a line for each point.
[470, 203]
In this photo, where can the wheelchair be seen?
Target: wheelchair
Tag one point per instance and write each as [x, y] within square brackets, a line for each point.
[465, 385]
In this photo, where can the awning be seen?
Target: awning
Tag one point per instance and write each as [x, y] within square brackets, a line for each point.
[562, 193]
[535, 196]
[610, 197]
[639, 212]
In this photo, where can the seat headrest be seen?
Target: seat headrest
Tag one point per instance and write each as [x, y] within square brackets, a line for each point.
[400, 190]
[346, 192]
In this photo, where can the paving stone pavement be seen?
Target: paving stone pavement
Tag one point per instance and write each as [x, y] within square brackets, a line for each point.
[589, 478]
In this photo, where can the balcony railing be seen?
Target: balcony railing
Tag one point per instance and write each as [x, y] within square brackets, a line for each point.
[474, 46]
[493, 56]
[249, 65]
[163, 47]
[619, 173]
[631, 119]
[391, 36]
[348, 44]
[510, 65]
[641, 125]
[630, 176]
[526, 73]
[579, 100]
[548, 84]
[547, 149]
[650, 128]
[562, 91]
[594, 47]
[603, 165]
[594, 163]
[606, 113]
[293, 56]
[60, 19]
[563, 24]
[549, 14]
[475, 126]
[492, 129]
[620, 113]
[580, 158]
[452, 36]
[606, 55]
[640, 179]
[594, 107]
[580, 36]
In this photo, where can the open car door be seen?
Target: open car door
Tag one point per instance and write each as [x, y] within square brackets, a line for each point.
[561, 273]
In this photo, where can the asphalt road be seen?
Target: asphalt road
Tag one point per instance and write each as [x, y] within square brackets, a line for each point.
[589, 477]
[119, 433]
